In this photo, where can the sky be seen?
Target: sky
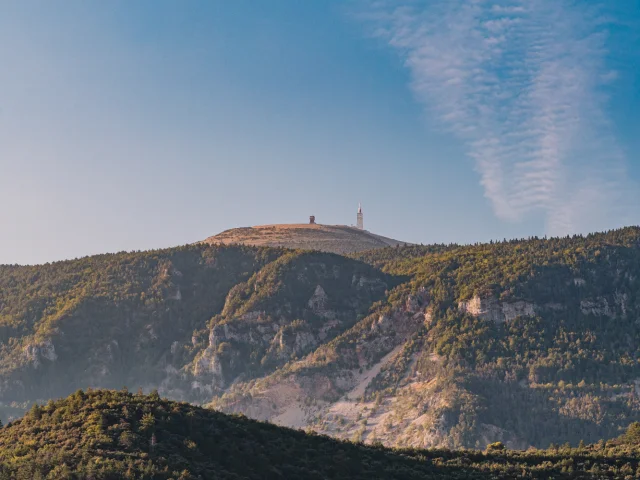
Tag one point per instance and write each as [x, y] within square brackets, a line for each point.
[148, 124]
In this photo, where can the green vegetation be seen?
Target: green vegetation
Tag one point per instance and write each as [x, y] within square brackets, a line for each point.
[288, 283]
[143, 318]
[390, 258]
[524, 342]
[118, 435]
[282, 302]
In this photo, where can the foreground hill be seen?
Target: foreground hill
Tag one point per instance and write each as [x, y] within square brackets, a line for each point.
[117, 435]
[339, 239]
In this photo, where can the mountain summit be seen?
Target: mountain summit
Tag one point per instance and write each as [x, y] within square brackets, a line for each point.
[340, 239]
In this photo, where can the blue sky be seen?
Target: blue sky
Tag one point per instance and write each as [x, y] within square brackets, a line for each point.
[136, 125]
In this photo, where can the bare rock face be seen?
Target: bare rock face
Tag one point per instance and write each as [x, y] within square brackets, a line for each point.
[517, 309]
[597, 306]
[383, 324]
[177, 295]
[412, 304]
[558, 307]
[499, 312]
[361, 281]
[226, 355]
[212, 366]
[319, 301]
[491, 309]
[36, 352]
[609, 306]
[208, 364]
[621, 300]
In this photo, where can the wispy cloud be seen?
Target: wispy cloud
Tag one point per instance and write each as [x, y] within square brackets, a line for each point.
[522, 84]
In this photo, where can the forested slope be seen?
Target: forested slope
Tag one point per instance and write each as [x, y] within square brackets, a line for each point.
[111, 319]
[171, 319]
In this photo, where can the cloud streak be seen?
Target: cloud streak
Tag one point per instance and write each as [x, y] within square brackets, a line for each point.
[523, 84]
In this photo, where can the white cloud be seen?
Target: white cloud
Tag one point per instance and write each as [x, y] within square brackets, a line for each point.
[521, 83]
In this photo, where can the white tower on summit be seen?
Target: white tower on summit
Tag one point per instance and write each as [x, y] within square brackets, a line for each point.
[360, 223]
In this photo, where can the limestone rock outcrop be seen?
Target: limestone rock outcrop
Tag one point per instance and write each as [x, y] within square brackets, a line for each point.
[37, 352]
[489, 308]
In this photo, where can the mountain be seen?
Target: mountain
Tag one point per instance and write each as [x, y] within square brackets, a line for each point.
[339, 239]
[118, 435]
[526, 342]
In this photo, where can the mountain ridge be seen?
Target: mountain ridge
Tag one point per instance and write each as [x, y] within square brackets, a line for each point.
[526, 342]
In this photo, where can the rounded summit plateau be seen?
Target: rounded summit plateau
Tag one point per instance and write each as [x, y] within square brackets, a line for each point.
[341, 239]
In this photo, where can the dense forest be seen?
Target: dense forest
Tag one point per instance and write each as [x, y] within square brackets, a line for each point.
[119, 435]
